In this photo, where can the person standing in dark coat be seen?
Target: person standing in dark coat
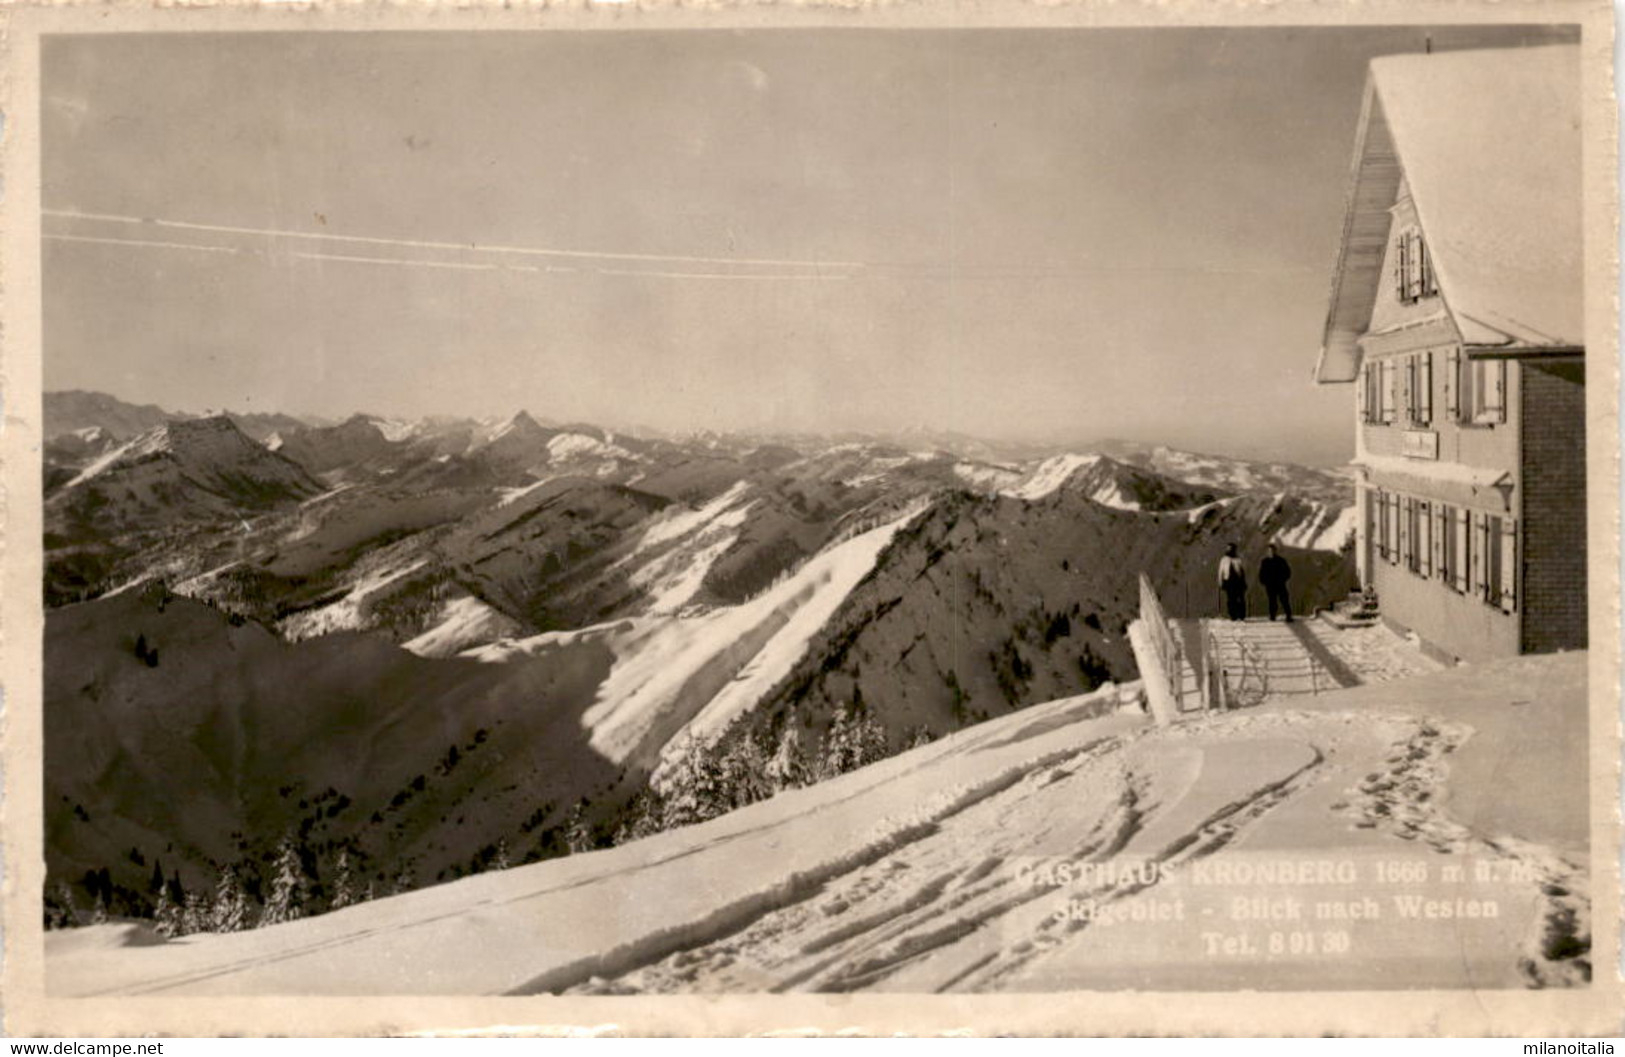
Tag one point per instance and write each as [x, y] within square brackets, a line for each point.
[1233, 582]
[1273, 573]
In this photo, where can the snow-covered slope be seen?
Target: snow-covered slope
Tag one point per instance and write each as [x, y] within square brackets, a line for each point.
[186, 469]
[1050, 474]
[694, 673]
[940, 870]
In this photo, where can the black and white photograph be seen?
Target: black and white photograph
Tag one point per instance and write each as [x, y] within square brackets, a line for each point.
[822, 509]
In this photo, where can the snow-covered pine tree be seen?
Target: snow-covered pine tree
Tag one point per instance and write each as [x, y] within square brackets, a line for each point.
[787, 767]
[404, 881]
[744, 769]
[838, 752]
[65, 914]
[694, 791]
[230, 904]
[578, 835]
[501, 861]
[343, 882]
[197, 915]
[286, 901]
[641, 818]
[166, 916]
[869, 741]
[98, 913]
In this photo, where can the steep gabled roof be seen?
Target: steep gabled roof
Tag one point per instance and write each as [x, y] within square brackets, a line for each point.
[1489, 144]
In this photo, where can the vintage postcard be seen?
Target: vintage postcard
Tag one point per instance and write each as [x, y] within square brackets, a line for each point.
[990, 518]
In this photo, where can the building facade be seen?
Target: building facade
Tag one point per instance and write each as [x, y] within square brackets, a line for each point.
[1456, 318]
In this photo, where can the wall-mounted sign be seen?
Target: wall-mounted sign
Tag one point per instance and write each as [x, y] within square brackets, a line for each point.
[1420, 444]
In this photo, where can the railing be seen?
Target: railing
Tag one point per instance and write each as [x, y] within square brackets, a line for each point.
[1167, 648]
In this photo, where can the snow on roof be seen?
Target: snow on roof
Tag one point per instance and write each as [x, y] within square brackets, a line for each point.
[1489, 144]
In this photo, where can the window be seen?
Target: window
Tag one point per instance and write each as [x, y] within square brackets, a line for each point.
[1419, 388]
[1413, 268]
[1460, 553]
[1509, 566]
[1475, 390]
[1422, 538]
[1387, 391]
[1489, 382]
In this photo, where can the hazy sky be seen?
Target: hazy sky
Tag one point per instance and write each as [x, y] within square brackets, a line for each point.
[1017, 234]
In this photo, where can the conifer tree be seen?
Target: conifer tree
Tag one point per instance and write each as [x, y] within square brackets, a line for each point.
[744, 772]
[869, 741]
[695, 789]
[230, 911]
[166, 916]
[343, 883]
[67, 915]
[286, 901]
[578, 835]
[641, 818]
[98, 913]
[404, 880]
[197, 915]
[837, 755]
[787, 768]
[501, 862]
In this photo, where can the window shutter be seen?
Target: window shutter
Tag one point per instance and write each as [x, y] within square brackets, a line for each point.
[1424, 544]
[1391, 395]
[1460, 558]
[1409, 383]
[1452, 384]
[1509, 566]
[1362, 393]
[1405, 530]
[1477, 554]
[1427, 388]
[1402, 252]
[1498, 386]
[1441, 532]
[1393, 529]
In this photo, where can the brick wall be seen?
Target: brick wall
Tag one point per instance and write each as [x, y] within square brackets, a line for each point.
[1554, 506]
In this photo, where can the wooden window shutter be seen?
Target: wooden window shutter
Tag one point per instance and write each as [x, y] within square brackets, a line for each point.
[1452, 384]
[1498, 386]
[1477, 555]
[1441, 532]
[1461, 556]
[1427, 388]
[1401, 255]
[1509, 566]
[1424, 544]
[1362, 393]
[1405, 529]
[1393, 529]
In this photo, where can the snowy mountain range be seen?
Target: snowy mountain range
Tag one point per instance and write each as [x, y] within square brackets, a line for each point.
[431, 645]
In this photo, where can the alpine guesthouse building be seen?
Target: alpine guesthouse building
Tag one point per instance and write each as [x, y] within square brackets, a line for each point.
[1456, 315]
